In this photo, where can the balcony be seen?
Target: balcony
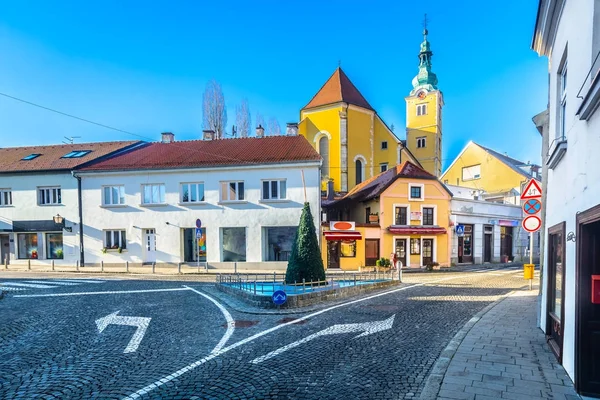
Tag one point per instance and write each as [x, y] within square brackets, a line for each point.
[556, 151]
[590, 91]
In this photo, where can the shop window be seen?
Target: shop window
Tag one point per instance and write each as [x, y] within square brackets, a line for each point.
[54, 246]
[115, 239]
[279, 241]
[348, 248]
[234, 244]
[28, 245]
[427, 215]
[274, 190]
[192, 192]
[194, 248]
[415, 246]
[113, 195]
[401, 215]
[153, 194]
[49, 195]
[232, 191]
[5, 197]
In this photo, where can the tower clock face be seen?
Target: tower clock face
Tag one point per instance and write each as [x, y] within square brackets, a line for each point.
[421, 95]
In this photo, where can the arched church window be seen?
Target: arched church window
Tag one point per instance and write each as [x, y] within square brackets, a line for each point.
[359, 167]
[324, 152]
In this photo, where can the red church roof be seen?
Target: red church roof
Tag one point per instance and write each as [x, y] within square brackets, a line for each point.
[338, 88]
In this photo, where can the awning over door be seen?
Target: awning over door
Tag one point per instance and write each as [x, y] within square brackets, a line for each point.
[36, 226]
[342, 235]
[417, 230]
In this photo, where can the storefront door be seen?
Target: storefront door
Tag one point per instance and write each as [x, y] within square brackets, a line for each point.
[149, 246]
[333, 254]
[556, 289]
[487, 247]
[587, 345]
[401, 251]
[4, 248]
[427, 251]
[465, 245]
[371, 252]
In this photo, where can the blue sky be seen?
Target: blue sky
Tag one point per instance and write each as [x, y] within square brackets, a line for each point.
[142, 66]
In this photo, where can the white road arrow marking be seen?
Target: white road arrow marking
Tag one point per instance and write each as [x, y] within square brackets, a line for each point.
[140, 322]
[367, 328]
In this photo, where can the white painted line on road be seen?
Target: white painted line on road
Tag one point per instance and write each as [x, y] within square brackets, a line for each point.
[9, 289]
[107, 292]
[81, 280]
[228, 318]
[55, 283]
[140, 322]
[27, 285]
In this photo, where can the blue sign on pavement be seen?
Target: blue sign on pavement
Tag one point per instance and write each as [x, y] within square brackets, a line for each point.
[198, 233]
[460, 230]
[279, 297]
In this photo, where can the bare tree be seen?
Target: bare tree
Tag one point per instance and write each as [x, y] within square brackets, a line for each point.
[274, 127]
[243, 120]
[214, 111]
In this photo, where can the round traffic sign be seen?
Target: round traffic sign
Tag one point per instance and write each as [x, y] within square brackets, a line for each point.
[198, 223]
[532, 223]
[532, 206]
[279, 297]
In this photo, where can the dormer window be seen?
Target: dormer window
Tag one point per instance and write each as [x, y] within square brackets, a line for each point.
[31, 157]
[76, 154]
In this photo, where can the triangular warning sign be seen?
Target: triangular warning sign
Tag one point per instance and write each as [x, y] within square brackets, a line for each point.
[533, 190]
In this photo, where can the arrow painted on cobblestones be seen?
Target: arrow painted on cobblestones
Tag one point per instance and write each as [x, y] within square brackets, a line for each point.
[114, 319]
[367, 328]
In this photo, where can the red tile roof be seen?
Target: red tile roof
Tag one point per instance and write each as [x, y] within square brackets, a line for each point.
[207, 153]
[50, 157]
[338, 88]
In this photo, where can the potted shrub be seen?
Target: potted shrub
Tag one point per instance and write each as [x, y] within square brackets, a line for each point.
[120, 250]
[59, 253]
[432, 265]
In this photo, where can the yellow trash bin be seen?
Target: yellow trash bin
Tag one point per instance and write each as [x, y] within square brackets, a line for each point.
[528, 271]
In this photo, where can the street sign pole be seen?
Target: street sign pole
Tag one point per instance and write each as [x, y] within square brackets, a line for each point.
[531, 258]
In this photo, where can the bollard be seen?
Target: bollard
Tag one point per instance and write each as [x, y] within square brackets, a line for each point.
[6, 262]
[127, 266]
[235, 267]
[153, 267]
[52, 265]
[354, 279]
[29, 264]
[274, 279]
[255, 288]
[102, 266]
[304, 285]
[179, 269]
[77, 265]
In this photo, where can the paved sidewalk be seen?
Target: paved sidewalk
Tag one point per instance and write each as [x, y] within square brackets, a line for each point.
[505, 356]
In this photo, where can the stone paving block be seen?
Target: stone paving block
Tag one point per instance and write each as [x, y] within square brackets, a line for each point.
[453, 386]
[469, 375]
[524, 390]
[497, 379]
[455, 394]
[459, 380]
[521, 396]
[489, 385]
[484, 391]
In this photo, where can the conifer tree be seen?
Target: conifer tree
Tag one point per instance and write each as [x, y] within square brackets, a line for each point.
[305, 261]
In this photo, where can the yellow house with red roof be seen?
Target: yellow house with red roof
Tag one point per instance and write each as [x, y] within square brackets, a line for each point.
[403, 211]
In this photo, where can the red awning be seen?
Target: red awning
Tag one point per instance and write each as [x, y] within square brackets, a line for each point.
[342, 235]
[417, 230]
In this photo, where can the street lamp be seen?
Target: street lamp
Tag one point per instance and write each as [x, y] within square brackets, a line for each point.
[58, 219]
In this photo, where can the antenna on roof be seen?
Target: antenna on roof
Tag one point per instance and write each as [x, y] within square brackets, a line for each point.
[71, 139]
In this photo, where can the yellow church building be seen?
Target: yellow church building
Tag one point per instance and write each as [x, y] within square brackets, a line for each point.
[356, 144]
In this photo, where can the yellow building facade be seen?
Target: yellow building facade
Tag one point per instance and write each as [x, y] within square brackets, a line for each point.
[486, 170]
[353, 140]
[403, 211]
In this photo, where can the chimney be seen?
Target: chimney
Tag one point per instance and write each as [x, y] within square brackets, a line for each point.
[291, 129]
[330, 190]
[260, 131]
[167, 137]
[208, 134]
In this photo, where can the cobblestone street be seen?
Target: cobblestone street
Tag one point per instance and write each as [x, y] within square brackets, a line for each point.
[75, 341]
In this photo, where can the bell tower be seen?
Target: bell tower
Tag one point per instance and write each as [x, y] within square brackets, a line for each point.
[424, 113]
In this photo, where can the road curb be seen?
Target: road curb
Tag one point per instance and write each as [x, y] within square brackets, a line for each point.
[438, 371]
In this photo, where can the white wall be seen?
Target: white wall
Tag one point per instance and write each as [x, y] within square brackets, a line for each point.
[574, 184]
[25, 208]
[252, 214]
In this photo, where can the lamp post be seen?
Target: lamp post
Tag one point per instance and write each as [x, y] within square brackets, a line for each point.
[59, 220]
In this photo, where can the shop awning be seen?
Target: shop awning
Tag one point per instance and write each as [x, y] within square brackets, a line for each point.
[36, 226]
[417, 230]
[342, 235]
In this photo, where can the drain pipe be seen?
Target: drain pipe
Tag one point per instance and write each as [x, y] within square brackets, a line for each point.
[80, 206]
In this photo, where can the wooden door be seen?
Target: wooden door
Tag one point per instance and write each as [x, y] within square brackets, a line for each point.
[587, 341]
[333, 253]
[400, 248]
[427, 251]
[371, 252]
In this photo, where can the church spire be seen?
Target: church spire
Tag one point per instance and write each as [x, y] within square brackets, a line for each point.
[425, 79]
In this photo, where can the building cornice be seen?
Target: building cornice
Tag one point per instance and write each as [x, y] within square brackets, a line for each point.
[546, 25]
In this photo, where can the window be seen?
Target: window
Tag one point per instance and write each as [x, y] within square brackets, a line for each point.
[153, 194]
[76, 154]
[384, 145]
[273, 190]
[367, 214]
[358, 166]
[348, 248]
[324, 152]
[232, 191]
[427, 215]
[471, 173]
[415, 246]
[49, 195]
[416, 192]
[401, 215]
[113, 195]
[28, 245]
[562, 85]
[421, 142]
[234, 244]
[383, 167]
[279, 242]
[31, 157]
[192, 192]
[421, 109]
[54, 246]
[5, 197]
[115, 240]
